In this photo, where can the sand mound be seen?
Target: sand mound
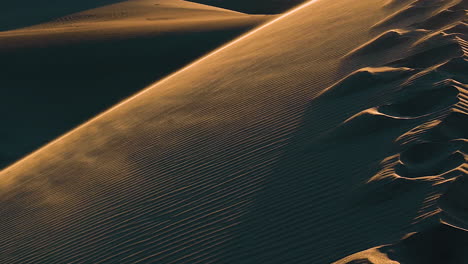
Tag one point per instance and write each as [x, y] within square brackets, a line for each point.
[428, 151]
[18, 14]
[366, 78]
[453, 126]
[432, 154]
[422, 103]
[430, 57]
[461, 28]
[452, 202]
[443, 18]
[367, 123]
[396, 3]
[456, 66]
[394, 44]
[417, 10]
[440, 244]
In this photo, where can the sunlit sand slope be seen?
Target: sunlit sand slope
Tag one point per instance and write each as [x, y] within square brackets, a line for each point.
[254, 7]
[289, 145]
[56, 75]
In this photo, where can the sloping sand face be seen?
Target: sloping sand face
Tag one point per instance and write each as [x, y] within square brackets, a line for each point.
[254, 7]
[56, 75]
[273, 149]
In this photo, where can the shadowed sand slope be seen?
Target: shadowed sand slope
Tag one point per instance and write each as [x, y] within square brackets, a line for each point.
[254, 7]
[56, 75]
[288, 145]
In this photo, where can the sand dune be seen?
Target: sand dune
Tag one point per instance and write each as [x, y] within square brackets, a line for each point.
[58, 74]
[434, 152]
[271, 149]
[18, 14]
[254, 7]
[126, 19]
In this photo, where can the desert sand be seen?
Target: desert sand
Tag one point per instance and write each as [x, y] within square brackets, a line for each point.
[334, 133]
[254, 7]
[58, 74]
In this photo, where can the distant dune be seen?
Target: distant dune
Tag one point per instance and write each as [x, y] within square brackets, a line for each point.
[254, 7]
[429, 163]
[57, 75]
[18, 14]
[335, 133]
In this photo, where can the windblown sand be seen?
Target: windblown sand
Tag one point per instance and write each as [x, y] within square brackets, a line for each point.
[336, 133]
[254, 7]
[56, 75]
